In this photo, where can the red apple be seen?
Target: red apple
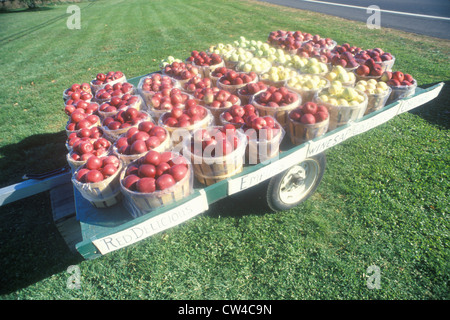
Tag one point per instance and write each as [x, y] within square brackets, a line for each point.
[165, 181]
[146, 185]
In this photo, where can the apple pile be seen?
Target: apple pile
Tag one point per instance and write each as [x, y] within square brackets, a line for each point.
[319, 43]
[116, 90]
[288, 40]
[82, 106]
[377, 54]
[372, 86]
[252, 88]
[215, 141]
[238, 55]
[203, 59]
[219, 72]
[155, 171]
[339, 73]
[314, 66]
[258, 65]
[221, 49]
[309, 113]
[180, 70]
[124, 119]
[97, 169]
[86, 133]
[309, 50]
[339, 95]
[137, 140]
[197, 82]
[370, 68]
[85, 147]
[344, 59]
[182, 118]
[119, 103]
[261, 128]
[306, 82]
[238, 115]
[398, 78]
[77, 96]
[275, 97]
[79, 120]
[79, 89]
[215, 97]
[111, 76]
[278, 73]
[234, 78]
[155, 82]
[167, 99]
[340, 49]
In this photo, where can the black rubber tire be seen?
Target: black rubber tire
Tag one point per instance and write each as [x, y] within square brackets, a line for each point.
[275, 201]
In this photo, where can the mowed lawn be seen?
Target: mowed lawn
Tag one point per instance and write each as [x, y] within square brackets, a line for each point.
[383, 201]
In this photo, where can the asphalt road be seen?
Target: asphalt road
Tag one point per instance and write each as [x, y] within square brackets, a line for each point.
[430, 17]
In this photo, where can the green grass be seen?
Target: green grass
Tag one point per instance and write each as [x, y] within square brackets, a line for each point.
[383, 200]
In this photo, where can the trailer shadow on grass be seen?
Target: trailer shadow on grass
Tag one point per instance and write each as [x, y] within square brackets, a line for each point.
[31, 247]
[35, 154]
[252, 201]
[437, 111]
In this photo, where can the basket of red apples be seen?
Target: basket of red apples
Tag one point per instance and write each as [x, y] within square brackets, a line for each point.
[82, 106]
[216, 100]
[205, 62]
[369, 69]
[232, 81]
[102, 79]
[165, 100]
[196, 82]
[76, 97]
[402, 84]
[249, 90]
[137, 141]
[264, 136]
[77, 90]
[110, 91]
[385, 59]
[217, 73]
[98, 180]
[91, 133]
[118, 124]
[181, 72]
[78, 120]
[153, 83]
[237, 115]
[116, 104]
[85, 147]
[154, 180]
[307, 122]
[216, 153]
[182, 122]
[276, 102]
[344, 59]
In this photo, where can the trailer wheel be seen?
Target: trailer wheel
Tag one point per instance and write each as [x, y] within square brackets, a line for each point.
[296, 184]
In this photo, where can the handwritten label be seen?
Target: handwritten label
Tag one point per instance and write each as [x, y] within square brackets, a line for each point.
[153, 225]
[316, 147]
[260, 175]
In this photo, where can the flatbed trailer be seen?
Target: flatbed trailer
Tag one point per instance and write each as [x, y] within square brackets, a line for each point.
[290, 178]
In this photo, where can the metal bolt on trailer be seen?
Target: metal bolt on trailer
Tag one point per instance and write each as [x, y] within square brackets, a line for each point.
[290, 179]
